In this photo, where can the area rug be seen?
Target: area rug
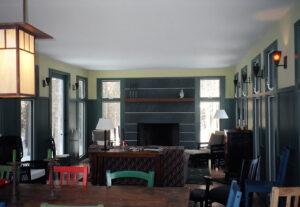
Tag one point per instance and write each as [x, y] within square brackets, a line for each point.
[195, 175]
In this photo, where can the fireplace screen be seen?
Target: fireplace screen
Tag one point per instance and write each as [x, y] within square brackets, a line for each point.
[158, 134]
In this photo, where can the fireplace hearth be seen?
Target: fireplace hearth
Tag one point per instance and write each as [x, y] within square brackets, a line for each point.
[162, 134]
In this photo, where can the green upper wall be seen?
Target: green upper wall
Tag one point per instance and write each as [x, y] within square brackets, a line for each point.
[46, 63]
[283, 32]
[227, 72]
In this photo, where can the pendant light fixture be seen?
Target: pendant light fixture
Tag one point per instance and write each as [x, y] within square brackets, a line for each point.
[17, 57]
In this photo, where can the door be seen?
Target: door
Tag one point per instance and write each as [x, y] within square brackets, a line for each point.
[27, 128]
[58, 114]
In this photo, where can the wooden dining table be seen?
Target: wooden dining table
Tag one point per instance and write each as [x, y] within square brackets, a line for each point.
[32, 195]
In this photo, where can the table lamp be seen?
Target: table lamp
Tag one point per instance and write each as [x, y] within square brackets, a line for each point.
[105, 124]
[220, 114]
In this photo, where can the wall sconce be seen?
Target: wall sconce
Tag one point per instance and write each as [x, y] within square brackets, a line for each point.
[236, 83]
[244, 77]
[46, 82]
[75, 86]
[277, 56]
[257, 72]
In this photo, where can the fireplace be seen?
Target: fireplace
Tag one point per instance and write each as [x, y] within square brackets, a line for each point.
[158, 134]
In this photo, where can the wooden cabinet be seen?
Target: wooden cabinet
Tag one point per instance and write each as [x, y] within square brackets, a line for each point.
[238, 146]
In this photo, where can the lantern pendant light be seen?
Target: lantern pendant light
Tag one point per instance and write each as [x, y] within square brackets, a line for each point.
[17, 58]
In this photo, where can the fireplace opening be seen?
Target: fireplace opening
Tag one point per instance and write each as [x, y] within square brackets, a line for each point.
[158, 134]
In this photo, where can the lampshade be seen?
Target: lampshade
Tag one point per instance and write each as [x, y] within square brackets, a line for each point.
[104, 124]
[221, 114]
[17, 66]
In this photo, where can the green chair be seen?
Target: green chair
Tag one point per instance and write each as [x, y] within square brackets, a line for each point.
[130, 174]
[6, 172]
[54, 205]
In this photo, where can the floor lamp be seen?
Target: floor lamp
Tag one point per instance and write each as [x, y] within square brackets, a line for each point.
[105, 124]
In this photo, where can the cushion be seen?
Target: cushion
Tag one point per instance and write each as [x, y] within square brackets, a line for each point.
[219, 132]
[219, 194]
[216, 139]
[37, 173]
[197, 195]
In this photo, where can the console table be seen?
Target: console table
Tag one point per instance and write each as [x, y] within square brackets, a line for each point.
[97, 159]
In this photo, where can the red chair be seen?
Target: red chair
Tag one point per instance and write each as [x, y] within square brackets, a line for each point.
[70, 170]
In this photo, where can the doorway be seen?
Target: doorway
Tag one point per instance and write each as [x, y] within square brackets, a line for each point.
[59, 119]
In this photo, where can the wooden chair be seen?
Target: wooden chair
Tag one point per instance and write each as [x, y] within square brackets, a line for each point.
[221, 193]
[130, 174]
[265, 186]
[61, 170]
[56, 205]
[288, 193]
[216, 147]
[235, 195]
[6, 172]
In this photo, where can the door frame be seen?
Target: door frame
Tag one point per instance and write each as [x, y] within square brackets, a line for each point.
[66, 77]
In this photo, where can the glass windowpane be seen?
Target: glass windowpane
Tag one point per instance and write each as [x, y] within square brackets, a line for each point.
[81, 127]
[271, 68]
[11, 38]
[111, 89]
[31, 43]
[26, 41]
[2, 43]
[208, 124]
[26, 128]
[81, 89]
[21, 39]
[57, 89]
[209, 88]
[111, 110]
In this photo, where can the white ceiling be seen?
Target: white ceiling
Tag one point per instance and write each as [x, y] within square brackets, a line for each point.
[148, 34]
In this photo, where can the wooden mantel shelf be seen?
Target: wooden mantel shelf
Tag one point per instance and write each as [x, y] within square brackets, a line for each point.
[159, 99]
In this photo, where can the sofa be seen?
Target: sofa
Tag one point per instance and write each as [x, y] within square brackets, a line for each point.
[173, 170]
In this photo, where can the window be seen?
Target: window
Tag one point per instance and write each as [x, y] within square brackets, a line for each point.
[271, 139]
[111, 106]
[236, 85]
[236, 95]
[81, 121]
[244, 113]
[58, 112]
[270, 69]
[256, 123]
[209, 103]
[256, 83]
[27, 128]
[244, 81]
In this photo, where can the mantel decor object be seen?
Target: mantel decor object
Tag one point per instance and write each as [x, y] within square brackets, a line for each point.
[181, 93]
